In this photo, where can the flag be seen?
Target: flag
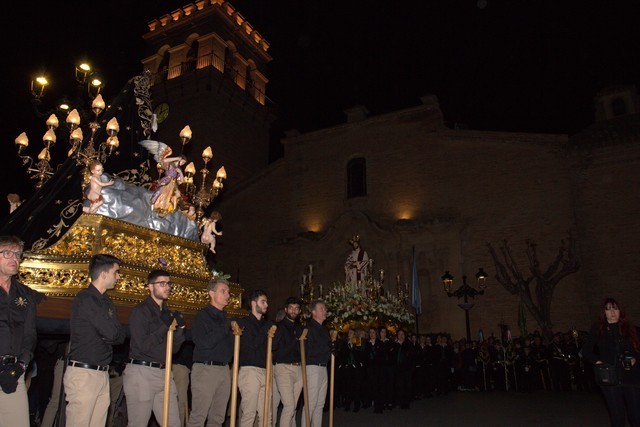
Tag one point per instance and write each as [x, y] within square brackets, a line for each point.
[416, 298]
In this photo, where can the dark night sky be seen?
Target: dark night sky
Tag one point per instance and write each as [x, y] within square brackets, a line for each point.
[511, 65]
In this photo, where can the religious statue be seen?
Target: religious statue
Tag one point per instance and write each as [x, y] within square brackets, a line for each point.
[209, 232]
[356, 268]
[94, 196]
[166, 196]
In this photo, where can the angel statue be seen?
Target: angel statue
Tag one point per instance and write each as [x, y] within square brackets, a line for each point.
[165, 198]
[210, 232]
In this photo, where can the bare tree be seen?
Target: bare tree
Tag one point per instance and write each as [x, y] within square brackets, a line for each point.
[536, 290]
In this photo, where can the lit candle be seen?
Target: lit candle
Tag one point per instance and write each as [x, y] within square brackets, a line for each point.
[381, 275]
[73, 118]
[52, 122]
[185, 134]
[320, 290]
[207, 154]
[98, 103]
[113, 127]
[222, 173]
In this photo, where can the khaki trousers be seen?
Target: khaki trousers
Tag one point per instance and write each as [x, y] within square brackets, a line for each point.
[88, 397]
[251, 382]
[317, 382]
[54, 402]
[144, 391]
[210, 390]
[289, 381]
[14, 407]
[181, 378]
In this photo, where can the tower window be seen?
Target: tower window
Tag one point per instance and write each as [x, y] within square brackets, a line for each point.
[618, 107]
[356, 177]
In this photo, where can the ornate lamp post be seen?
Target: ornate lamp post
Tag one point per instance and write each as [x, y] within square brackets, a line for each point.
[465, 291]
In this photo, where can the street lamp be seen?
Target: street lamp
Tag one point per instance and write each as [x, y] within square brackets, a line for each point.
[465, 291]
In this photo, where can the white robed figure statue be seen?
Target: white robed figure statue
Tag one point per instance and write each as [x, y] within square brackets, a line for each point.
[356, 268]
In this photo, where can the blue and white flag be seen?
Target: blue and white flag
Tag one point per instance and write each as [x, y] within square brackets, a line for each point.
[416, 298]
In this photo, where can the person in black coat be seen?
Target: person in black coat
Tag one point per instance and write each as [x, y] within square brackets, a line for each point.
[405, 361]
[374, 361]
[350, 367]
[615, 341]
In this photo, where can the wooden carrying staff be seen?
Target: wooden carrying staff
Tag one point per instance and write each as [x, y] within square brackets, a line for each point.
[333, 376]
[237, 332]
[267, 381]
[305, 388]
[167, 373]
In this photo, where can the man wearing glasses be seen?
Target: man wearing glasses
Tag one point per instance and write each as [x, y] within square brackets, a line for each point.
[143, 379]
[17, 335]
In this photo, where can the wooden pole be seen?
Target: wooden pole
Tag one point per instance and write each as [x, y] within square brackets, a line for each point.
[305, 387]
[267, 381]
[234, 376]
[167, 373]
[333, 371]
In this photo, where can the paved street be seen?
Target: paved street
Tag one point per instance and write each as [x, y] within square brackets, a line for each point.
[489, 409]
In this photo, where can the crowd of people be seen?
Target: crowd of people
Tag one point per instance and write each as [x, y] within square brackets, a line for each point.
[378, 368]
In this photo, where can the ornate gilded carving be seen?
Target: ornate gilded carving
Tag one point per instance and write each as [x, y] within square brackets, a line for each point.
[62, 269]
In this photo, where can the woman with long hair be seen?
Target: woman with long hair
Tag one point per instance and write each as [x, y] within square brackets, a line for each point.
[615, 341]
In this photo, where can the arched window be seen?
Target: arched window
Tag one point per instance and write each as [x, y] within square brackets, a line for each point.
[357, 177]
[618, 107]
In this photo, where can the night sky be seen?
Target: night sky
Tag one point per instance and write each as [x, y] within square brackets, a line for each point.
[512, 65]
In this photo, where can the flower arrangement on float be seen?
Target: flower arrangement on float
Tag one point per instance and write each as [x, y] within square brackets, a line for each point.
[359, 307]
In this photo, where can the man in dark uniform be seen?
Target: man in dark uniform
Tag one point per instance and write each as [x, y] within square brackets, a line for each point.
[350, 371]
[94, 329]
[286, 347]
[143, 379]
[253, 360]
[318, 354]
[17, 335]
[374, 361]
[213, 351]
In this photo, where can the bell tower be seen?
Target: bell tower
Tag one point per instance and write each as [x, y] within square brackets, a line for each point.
[208, 71]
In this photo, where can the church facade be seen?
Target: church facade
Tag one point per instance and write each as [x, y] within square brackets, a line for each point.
[400, 181]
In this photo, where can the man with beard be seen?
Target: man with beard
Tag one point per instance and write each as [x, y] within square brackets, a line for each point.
[143, 379]
[17, 334]
[213, 351]
[288, 374]
[253, 360]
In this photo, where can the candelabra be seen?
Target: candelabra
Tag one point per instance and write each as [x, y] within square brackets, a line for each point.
[42, 169]
[307, 288]
[206, 193]
[465, 291]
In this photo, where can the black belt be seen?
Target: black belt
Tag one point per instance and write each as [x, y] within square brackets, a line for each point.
[318, 364]
[212, 363]
[145, 363]
[77, 364]
[7, 359]
[288, 363]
